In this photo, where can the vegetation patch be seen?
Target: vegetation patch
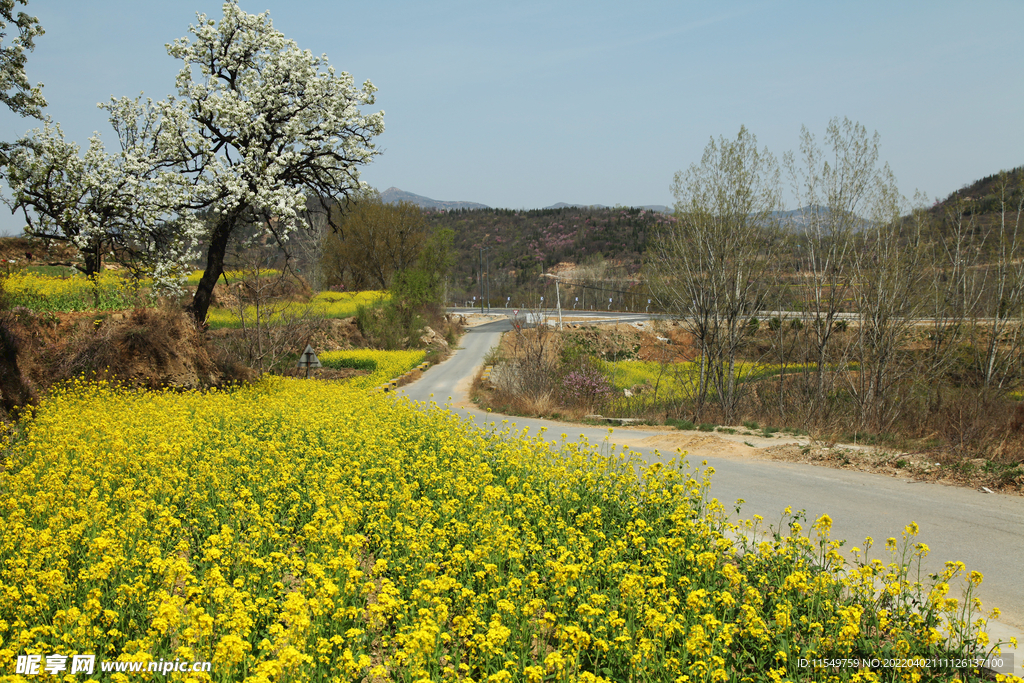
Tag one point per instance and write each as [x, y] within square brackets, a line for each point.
[310, 530]
[108, 290]
[383, 365]
[326, 305]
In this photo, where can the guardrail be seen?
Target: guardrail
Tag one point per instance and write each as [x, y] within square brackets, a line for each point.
[392, 385]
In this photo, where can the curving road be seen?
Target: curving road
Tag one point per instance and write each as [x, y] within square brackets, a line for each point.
[985, 531]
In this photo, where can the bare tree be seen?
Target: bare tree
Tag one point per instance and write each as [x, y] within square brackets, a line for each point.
[1002, 346]
[956, 286]
[271, 326]
[889, 273]
[528, 369]
[835, 187]
[708, 267]
[312, 240]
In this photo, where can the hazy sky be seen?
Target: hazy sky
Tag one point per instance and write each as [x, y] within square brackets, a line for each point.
[526, 104]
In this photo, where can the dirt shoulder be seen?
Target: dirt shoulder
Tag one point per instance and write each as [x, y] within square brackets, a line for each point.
[978, 474]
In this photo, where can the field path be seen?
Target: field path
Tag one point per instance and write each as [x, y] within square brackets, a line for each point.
[985, 531]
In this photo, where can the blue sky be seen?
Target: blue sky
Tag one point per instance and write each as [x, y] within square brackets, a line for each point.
[525, 104]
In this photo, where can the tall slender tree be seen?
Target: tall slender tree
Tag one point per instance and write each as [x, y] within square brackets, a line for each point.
[708, 267]
[836, 187]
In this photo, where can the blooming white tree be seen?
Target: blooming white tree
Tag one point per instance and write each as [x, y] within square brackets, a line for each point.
[125, 203]
[258, 126]
[15, 90]
[101, 202]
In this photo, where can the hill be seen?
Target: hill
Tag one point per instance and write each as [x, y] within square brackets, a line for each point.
[393, 195]
[985, 196]
[602, 247]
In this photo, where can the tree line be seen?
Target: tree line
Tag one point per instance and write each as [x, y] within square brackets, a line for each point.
[879, 306]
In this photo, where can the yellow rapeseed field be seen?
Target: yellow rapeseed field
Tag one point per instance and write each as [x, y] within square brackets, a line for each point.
[383, 365]
[324, 304]
[297, 530]
[108, 291]
[111, 290]
[680, 380]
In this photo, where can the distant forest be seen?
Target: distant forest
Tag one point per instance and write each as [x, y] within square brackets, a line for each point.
[513, 248]
[608, 245]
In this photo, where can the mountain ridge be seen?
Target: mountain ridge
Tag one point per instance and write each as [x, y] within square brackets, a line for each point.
[394, 195]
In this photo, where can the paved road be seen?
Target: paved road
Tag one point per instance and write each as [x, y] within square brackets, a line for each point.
[985, 531]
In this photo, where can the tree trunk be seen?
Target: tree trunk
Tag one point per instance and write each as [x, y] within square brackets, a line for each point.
[93, 258]
[200, 305]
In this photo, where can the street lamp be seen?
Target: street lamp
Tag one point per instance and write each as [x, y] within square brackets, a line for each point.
[558, 297]
[481, 280]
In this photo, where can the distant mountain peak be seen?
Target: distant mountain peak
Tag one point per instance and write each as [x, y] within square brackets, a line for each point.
[563, 205]
[393, 195]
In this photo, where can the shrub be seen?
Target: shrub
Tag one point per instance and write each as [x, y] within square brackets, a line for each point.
[584, 387]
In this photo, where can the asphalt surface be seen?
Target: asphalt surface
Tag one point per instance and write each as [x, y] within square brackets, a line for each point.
[985, 531]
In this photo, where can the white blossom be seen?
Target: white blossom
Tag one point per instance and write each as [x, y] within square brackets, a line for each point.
[257, 126]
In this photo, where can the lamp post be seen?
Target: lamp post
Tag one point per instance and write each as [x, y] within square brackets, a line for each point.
[558, 298]
[480, 280]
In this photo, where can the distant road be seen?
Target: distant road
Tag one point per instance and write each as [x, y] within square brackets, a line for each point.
[985, 531]
[551, 315]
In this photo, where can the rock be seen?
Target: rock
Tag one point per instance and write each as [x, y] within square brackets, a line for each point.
[431, 338]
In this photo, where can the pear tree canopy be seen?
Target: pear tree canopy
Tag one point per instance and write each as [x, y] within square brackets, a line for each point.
[258, 127]
[15, 90]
